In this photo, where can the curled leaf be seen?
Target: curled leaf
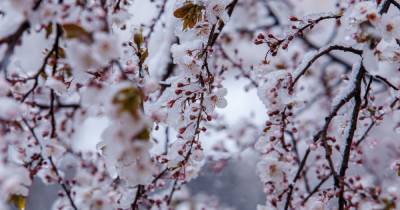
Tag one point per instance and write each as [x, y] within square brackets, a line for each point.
[190, 14]
[138, 38]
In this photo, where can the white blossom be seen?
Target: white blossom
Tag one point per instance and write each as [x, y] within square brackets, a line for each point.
[217, 11]
[389, 27]
[105, 48]
[11, 109]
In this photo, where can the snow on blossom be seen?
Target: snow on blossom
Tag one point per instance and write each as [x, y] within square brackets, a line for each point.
[93, 198]
[389, 51]
[315, 204]
[84, 58]
[15, 180]
[217, 99]
[178, 155]
[48, 175]
[58, 86]
[89, 95]
[125, 153]
[48, 13]
[143, 172]
[52, 149]
[271, 169]
[150, 86]
[10, 109]
[186, 54]
[276, 91]
[4, 87]
[81, 59]
[217, 11]
[370, 61]
[126, 141]
[105, 48]
[346, 90]
[22, 6]
[120, 18]
[179, 149]
[389, 27]
[65, 62]
[362, 11]
[267, 143]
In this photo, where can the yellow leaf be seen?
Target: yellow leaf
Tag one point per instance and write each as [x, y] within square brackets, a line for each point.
[19, 201]
[61, 52]
[138, 38]
[74, 31]
[129, 100]
[144, 134]
[190, 14]
[184, 10]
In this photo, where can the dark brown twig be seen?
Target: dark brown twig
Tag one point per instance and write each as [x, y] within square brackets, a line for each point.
[352, 130]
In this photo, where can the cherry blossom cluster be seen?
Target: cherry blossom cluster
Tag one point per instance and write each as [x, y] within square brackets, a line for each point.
[84, 68]
[325, 164]
[329, 83]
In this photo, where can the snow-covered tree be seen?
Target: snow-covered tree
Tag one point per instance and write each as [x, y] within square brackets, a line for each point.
[329, 81]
